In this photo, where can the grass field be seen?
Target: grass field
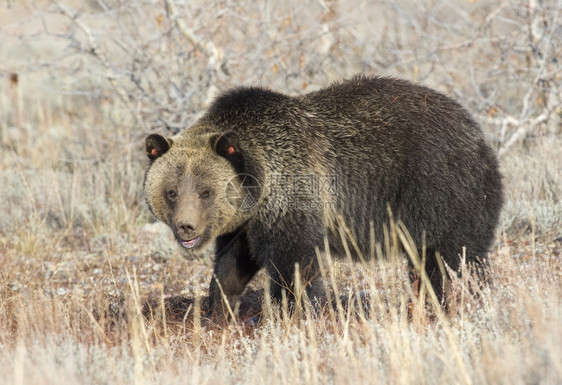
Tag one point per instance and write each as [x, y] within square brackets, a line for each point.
[83, 82]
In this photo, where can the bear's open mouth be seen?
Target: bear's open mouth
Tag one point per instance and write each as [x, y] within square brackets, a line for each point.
[191, 243]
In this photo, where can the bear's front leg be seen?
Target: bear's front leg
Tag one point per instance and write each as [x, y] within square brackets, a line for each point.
[234, 268]
[291, 240]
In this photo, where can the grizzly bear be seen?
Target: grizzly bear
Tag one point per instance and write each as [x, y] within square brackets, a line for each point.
[271, 179]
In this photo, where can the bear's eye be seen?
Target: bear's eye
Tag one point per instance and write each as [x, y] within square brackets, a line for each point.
[172, 195]
[205, 194]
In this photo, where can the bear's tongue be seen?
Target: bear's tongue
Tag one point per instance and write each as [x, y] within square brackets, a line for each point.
[190, 244]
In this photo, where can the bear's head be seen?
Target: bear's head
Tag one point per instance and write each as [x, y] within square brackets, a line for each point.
[197, 185]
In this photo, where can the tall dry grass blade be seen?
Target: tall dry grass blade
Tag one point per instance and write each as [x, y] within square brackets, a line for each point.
[346, 234]
[394, 246]
[100, 331]
[139, 336]
[135, 314]
[163, 314]
[298, 310]
[197, 327]
[333, 282]
[324, 276]
[267, 308]
[225, 301]
[285, 313]
[186, 314]
[410, 247]
[372, 241]
[443, 271]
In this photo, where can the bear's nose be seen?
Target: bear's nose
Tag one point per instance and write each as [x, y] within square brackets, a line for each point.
[185, 230]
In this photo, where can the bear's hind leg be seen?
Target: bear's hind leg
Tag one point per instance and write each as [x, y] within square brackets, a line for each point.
[433, 273]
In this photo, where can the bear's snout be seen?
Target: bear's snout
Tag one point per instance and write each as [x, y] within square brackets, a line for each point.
[186, 230]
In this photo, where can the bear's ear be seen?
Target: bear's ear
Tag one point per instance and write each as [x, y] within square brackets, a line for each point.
[156, 146]
[227, 146]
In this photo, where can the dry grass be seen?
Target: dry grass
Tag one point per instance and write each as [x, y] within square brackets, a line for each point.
[79, 257]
